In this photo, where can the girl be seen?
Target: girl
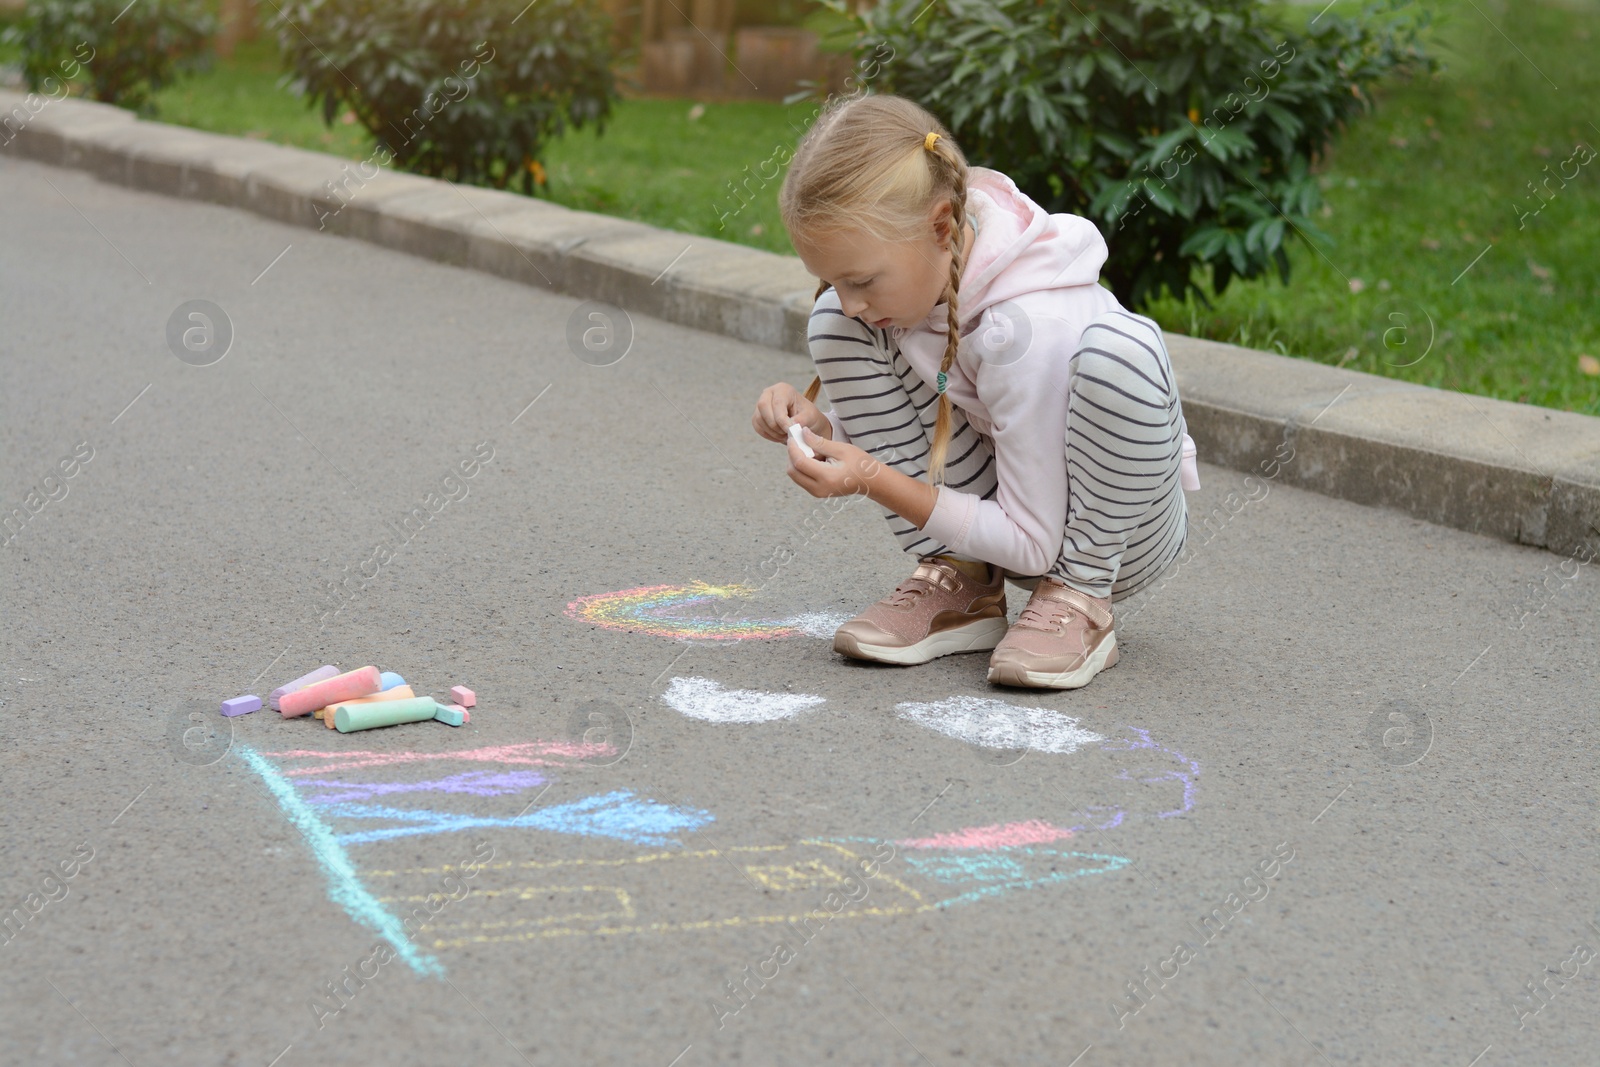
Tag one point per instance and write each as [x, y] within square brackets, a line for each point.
[962, 336]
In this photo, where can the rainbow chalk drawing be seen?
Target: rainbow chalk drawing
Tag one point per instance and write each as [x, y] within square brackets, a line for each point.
[670, 611]
[706, 699]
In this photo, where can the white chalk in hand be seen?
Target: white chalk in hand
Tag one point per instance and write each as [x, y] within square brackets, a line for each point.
[797, 435]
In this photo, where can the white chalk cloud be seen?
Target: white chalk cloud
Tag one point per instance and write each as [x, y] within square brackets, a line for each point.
[994, 723]
[707, 700]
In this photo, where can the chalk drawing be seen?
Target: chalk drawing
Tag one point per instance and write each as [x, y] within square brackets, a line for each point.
[645, 894]
[530, 753]
[690, 611]
[677, 888]
[705, 698]
[1009, 835]
[1186, 770]
[618, 815]
[1008, 870]
[996, 724]
[476, 783]
[344, 884]
[820, 623]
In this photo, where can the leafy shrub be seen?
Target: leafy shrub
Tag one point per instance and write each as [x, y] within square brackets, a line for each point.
[125, 52]
[1186, 129]
[468, 91]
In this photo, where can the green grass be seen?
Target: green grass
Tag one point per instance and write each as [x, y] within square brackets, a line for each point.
[670, 163]
[1414, 192]
[240, 96]
[1418, 189]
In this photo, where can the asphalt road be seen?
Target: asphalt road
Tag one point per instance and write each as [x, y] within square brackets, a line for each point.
[1337, 803]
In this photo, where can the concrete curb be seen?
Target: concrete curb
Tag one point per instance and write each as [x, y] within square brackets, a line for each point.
[1520, 473]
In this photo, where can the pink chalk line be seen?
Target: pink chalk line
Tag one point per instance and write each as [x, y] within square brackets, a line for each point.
[1032, 832]
[529, 753]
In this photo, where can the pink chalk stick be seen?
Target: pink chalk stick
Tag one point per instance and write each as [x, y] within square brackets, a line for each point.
[347, 686]
[464, 696]
[321, 674]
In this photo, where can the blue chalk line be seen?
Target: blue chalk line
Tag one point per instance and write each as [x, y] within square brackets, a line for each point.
[344, 884]
[618, 815]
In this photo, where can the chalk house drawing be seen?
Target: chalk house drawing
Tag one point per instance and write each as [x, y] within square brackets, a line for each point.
[342, 812]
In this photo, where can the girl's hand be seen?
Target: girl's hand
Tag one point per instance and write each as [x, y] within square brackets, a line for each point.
[840, 469]
[782, 404]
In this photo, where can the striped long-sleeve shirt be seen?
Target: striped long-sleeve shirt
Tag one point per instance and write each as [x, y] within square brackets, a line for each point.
[1028, 289]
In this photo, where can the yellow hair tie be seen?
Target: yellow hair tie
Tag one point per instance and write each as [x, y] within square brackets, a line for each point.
[927, 142]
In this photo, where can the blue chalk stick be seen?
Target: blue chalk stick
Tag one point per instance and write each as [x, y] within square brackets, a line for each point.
[241, 705]
[388, 680]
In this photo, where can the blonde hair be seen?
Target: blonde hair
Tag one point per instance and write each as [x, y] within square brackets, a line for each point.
[864, 166]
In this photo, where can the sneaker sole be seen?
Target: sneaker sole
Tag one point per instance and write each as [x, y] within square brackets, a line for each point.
[981, 636]
[1100, 659]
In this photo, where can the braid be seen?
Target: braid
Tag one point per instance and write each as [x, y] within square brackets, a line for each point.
[816, 383]
[958, 259]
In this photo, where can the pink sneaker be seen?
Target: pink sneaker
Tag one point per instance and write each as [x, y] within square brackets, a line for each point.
[1062, 639]
[935, 612]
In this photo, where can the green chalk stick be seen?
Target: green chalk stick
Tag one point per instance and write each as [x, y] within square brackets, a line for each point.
[451, 715]
[350, 717]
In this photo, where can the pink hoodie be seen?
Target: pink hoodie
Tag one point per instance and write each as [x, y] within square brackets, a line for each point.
[1048, 267]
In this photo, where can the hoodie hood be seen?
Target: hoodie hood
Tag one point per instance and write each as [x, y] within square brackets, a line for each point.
[1018, 248]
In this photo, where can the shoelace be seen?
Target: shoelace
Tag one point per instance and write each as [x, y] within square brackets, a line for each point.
[1036, 618]
[908, 590]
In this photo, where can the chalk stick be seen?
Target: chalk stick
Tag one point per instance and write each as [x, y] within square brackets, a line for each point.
[357, 683]
[241, 705]
[464, 696]
[399, 692]
[386, 713]
[797, 435]
[321, 674]
[388, 680]
[454, 715]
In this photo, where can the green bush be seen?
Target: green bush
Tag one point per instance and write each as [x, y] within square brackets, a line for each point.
[125, 52]
[1187, 129]
[470, 92]
[772, 12]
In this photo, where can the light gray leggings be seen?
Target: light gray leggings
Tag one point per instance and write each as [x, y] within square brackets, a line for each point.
[1126, 515]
